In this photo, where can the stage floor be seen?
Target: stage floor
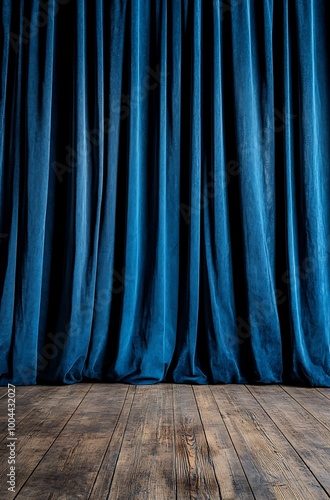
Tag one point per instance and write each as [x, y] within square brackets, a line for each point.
[165, 441]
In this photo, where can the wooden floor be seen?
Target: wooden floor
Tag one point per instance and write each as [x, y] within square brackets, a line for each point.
[166, 441]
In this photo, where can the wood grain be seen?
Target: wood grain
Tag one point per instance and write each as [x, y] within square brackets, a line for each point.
[195, 471]
[3, 392]
[74, 458]
[313, 401]
[105, 474]
[273, 468]
[325, 391]
[169, 442]
[26, 399]
[306, 435]
[228, 469]
[146, 465]
[37, 432]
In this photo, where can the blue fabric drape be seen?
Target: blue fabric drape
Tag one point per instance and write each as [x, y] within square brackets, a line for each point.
[165, 191]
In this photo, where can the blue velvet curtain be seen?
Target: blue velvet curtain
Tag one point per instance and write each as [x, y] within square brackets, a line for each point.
[165, 191]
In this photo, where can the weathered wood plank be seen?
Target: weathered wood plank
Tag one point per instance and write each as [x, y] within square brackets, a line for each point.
[105, 474]
[228, 469]
[3, 392]
[307, 436]
[36, 433]
[69, 467]
[146, 464]
[99, 411]
[25, 401]
[325, 391]
[196, 477]
[67, 471]
[170, 442]
[313, 401]
[274, 470]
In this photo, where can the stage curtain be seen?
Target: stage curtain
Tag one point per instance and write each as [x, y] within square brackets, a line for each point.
[165, 191]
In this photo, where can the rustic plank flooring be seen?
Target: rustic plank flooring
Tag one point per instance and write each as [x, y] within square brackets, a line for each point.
[163, 442]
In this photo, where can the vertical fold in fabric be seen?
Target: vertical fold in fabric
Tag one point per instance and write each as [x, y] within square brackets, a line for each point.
[253, 93]
[28, 159]
[307, 172]
[221, 336]
[187, 366]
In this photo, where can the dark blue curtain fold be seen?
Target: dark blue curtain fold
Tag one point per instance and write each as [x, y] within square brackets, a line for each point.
[165, 191]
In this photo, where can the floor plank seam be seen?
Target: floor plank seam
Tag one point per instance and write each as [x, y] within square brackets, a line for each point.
[226, 441]
[4, 395]
[18, 420]
[325, 395]
[121, 444]
[207, 443]
[174, 446]
[234, 447]
[108, 445]
[306, 409]
[42, 458]
[295, 450]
